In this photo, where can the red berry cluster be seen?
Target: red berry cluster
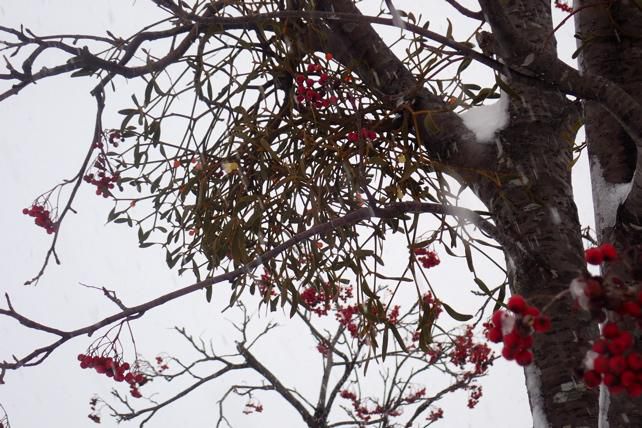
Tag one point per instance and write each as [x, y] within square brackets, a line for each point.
[366, 134]
[94, 416]
[42, 217]
[393, 316]
[426, 257]
[612, 361]
[563, 6]
[115, 137]
[319, 301]
[252, 408]
[435, 415]
[104, 178]
[316, 301]
[324, 348]
[345, 316]
[465, 351]
[315, 93]
[362, 412]
[112, 368]
[475, 395]
[598, 295]
[162, 365]
[604, 253]
[515, 328]
[104, 182]
[265, 285]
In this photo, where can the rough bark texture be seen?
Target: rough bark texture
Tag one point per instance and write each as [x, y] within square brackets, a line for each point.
[534, 207]
[611, 45]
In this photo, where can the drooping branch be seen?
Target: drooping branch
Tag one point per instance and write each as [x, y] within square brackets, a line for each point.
[393, 210]
[77, 180]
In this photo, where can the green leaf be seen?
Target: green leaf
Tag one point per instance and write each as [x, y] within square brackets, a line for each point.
[454, 314]
[482, 286]
[469, 257]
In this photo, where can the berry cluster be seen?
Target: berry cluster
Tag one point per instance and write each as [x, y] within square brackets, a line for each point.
[563, 6]
[475, 395]
[42, 217]
[465, 351]
[366, 134]
[162, 365]
[315, 93]
[393, 316]
[94, 416]
[115, 138]
[265, 285]
[515, 328]
[103, 182]
[318, 301]
[252, 408]
[435, 415]
[597, 295]
[612, 361]
[104, 178]
[597, 255]
[324, 348]
[345, 316]
[426, 257]
[364, 414]
[112, 368]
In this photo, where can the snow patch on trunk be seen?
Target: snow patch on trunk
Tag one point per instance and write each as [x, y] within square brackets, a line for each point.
[605, 401]
[534, 388]
[607, 197]
[486, 120]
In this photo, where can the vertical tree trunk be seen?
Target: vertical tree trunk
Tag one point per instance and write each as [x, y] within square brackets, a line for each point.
[610, 39]
[534, 208]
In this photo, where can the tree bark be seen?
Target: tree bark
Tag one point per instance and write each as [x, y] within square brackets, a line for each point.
[610, 44]
[533, 207]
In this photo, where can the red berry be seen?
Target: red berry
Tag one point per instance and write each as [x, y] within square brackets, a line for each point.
[601, 364]
[599, 346]
[627, 378]
[497, 318]
[593, 256]
[593, 288]
[609, 253]
[508, 353]
[610, 330]
[524, 358]
[517, 304]
[512, 340]
[617, 364]
[532, 311]
[329, 56]
[631, 308]
[526, 342]
[620, 344]
[542, 324]
[592, 378]
[634, 361]
[494, 335]
[609, 379]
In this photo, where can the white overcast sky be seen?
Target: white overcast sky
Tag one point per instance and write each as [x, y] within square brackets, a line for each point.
[43, 134]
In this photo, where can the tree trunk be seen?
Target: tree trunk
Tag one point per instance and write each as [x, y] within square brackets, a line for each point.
[533, 207]
[611, 45]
